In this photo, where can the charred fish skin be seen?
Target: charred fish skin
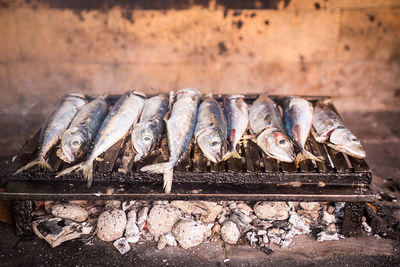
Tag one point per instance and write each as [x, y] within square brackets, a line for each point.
[298, 113]
[77, 138]
[237, 116]
[54, 127]
[210, 131]
[180, 128]
[329, 128]
[147, 132]
[265, 121]
[115, 126]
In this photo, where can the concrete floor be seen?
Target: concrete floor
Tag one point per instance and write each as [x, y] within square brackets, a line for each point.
[378, 131]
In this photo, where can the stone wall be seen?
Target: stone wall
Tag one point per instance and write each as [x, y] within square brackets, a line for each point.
[347, 49]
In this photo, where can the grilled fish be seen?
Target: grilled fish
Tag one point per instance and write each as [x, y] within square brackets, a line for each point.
[147, 132]
[237, 117]
[210, 130]
[180, 128]
[265, 122]
[77, 138]
[330, 129]
[115, 126]
[298, 113]
[54, 127]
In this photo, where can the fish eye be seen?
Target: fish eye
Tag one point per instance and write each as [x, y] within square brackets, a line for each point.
[147, 138]
[282, 142]
[355, 140]
[76, 142]
[215, 143]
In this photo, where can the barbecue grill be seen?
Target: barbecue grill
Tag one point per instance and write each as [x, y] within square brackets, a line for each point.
[254, 177]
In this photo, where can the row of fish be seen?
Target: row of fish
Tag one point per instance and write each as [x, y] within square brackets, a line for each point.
[80, 124]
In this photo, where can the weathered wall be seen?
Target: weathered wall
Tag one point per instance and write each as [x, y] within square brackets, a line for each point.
[347, 49]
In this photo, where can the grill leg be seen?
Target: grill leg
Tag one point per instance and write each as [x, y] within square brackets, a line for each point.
[353, 212]
[23, 217]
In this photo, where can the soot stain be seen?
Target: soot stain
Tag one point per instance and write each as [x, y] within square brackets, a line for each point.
[238, 23]
[128, 14]
[79, 14]
[266, 22]
[222, 48]
[371, 17]
[346, 47]
[317, 5]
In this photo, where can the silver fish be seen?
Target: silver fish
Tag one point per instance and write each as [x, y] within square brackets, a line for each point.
[77, 138]
[330, 129]
[237, 116]
[147, 132]
[180, 128]
[298, 113]
[265, 122]
[54, 127]
[115, 126]
[210, 130]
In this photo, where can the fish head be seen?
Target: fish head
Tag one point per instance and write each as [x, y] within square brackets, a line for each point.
[73, 144]
[344, 140]
[143, 141]
[212, 145]
[277, 145]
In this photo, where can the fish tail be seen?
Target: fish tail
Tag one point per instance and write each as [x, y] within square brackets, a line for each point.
[231, 154]
[164, 168]
[70, 169]
[40, 161]
[87, 171]
[303, 155]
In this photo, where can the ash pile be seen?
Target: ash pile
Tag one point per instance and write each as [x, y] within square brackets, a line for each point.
[186, 223]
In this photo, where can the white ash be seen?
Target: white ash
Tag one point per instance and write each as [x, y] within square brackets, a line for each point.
[272, 210]
[122, 245]
[208, 211]
[161, 219]
[190, 233]
[112, 204]
[230, 232]
[142, 217]
[162, 242]
[71, 212]
[329, 218]
[111, 224]
[128, 204]
[310, 205]
[132, 232]
[171, 241]
[331, 229]
[252, 237]
[323, 236]
[242, 221]
[366, 227]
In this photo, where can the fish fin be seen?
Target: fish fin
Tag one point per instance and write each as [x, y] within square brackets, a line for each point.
[87, 171]
[303, 155]
[168, 176]
[70, 169]
[85, 167]
[39, 161]
[164, 168]
[156, 168]
[231, 154]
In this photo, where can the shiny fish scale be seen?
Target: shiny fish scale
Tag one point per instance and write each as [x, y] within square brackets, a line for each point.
[59, 121]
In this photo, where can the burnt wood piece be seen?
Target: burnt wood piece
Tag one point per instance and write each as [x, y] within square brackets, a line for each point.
[359, 165]
[23, 217]
[253, 160]
[353, 212]
[319, 151]
[54, 160]
[26, 152]
[338, 160]
[185, 161]
[199, 160]
[106, 165]
[218, 167]
[127, 159]
[289, 167]
[270, 164]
